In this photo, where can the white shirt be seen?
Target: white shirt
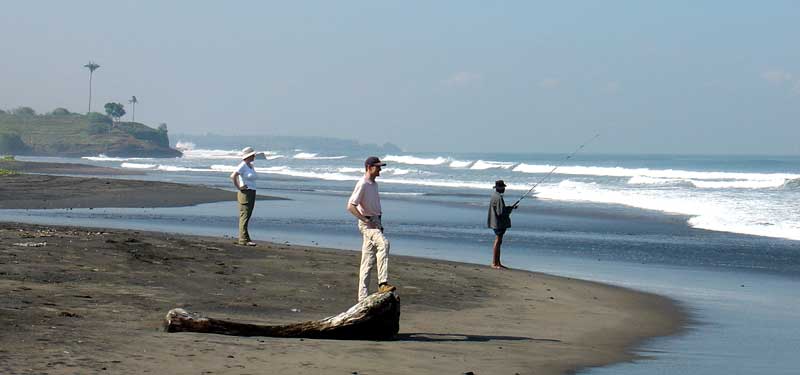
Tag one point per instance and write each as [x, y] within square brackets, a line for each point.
[247, 176]
[365, 197]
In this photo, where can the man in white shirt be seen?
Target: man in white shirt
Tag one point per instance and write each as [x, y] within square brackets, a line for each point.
[365, 205]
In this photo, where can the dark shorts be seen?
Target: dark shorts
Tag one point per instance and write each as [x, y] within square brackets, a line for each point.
[499, 232]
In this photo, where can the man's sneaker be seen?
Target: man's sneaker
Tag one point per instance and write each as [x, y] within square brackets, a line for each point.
[386, 288]
[247, 243]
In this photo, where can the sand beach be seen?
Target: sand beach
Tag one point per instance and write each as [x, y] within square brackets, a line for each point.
[92, 300]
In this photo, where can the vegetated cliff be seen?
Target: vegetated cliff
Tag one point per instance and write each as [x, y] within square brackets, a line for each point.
[74, 135]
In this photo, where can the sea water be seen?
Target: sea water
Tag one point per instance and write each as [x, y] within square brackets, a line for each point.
[717, 234]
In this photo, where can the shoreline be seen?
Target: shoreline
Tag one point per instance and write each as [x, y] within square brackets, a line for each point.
[42, 191]
[456, 317]
[123, 282]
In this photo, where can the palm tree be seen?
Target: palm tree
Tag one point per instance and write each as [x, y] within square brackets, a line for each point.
[92, 67]
[133, 101]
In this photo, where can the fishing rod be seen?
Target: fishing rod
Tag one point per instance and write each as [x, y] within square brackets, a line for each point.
[554, 169]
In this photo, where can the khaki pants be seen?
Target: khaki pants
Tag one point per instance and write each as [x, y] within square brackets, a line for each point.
[375, 247]
[247, 201]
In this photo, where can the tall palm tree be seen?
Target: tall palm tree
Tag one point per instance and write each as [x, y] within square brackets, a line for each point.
[92, 67]
[133, 101]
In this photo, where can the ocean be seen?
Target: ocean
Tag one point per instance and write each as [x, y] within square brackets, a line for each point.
[719, 234]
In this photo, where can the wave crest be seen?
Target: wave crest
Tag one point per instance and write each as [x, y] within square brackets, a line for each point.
[483, 165]
[793, 183]
[314, 156]
[407, 159]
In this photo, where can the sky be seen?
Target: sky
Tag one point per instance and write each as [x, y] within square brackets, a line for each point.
[686, 77]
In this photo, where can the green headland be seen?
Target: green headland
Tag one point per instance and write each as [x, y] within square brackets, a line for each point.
[66, 134]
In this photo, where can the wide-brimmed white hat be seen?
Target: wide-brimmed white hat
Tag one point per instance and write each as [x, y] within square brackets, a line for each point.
[248, 152]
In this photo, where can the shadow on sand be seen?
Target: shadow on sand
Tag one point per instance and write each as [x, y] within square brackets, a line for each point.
[440, 337]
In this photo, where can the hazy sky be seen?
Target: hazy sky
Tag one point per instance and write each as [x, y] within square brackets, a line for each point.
[664, 77]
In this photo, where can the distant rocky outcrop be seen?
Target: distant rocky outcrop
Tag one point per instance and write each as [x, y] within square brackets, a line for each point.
[65, 134]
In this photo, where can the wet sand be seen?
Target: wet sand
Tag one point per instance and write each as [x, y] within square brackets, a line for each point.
[39, 191]
[82, 300]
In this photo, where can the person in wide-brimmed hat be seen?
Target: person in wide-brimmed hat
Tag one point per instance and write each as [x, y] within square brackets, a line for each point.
[244, 178]
[499, 219]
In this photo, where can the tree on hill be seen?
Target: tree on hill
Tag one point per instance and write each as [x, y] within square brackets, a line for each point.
[60, 112]
[98, 123]
[133, 102]
[98, 118]
[115, 110]
[92, 67]
[23, 111]
[11, 143]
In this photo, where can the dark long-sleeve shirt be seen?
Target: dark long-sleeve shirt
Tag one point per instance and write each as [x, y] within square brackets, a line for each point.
[499, 214]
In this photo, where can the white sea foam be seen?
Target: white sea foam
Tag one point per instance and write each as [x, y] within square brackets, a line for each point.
[163, 167]
[791, 184]
[322, 175]
[660, 173]
[399, 171]
[190, 152]
[184, 145]
[225, 168]
[709, 210]
[175, 168]
[742, 184]
[482, 165]
[483, 185]
[137, 166]
[461, 163]
[644, 180]
[400, 194]
[762, 204]
[211, 154]
[707, 184]
[314, 156]
[699, 179]
[103, 157]
[407, 159]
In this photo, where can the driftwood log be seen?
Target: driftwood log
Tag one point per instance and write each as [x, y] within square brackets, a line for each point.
[377, 317]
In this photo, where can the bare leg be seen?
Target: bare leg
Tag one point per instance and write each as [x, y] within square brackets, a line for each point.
[498, 241]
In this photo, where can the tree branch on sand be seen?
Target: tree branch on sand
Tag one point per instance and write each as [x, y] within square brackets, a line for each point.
[377, 317]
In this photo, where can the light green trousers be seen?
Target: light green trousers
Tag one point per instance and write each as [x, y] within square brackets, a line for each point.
[247, 201]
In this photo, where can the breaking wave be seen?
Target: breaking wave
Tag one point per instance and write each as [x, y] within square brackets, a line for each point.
[406, 159]
[162, 167]
[482, 165]
[103, 157]
[791, 184]
[671, 177]
[184, 145]
[313, 156]
[705, 184]
[711, 211]
[660, 173]
[461, 164]
[138, 166]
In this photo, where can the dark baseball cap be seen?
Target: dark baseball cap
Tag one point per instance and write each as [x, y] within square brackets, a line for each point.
[373, 161]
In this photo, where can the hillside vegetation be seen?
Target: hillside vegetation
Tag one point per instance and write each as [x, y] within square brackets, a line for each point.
[73, 135]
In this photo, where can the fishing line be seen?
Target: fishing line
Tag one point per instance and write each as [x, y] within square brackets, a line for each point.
[554, 169]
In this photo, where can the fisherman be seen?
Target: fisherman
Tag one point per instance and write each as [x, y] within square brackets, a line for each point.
[499, 219]
[365, 205]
